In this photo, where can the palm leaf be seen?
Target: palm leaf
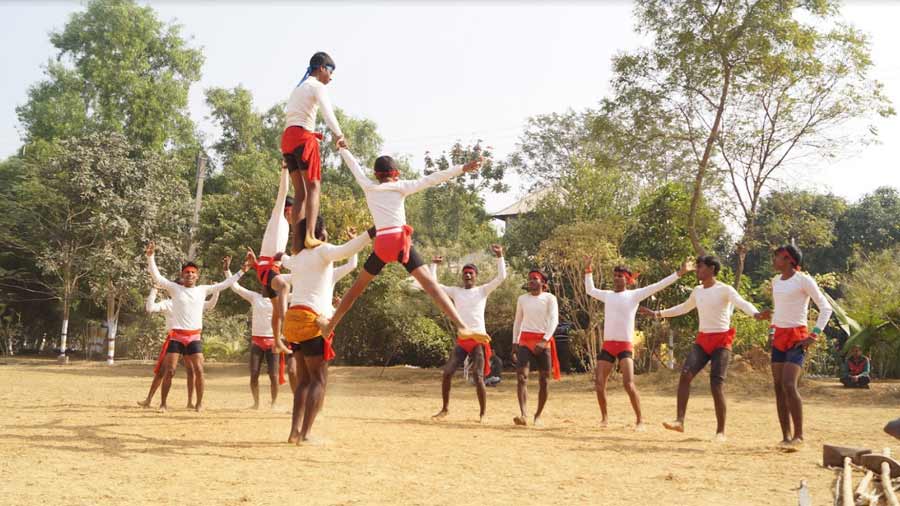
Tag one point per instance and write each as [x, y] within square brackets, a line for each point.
[850, 326]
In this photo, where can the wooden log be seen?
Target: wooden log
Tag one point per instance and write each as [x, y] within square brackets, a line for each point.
[804, 498]
[886, 482]
[847, 484]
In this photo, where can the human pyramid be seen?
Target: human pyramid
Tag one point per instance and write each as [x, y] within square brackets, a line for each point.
[300, 308]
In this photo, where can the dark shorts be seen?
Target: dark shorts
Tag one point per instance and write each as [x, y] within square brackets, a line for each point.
[314, 347]
[458, 357]
[374, 265]
[267, 290]
[542, 360]
[698, 358]
[795, 355]
[609, 357]
[192, 348]
[267, 355]
[294, 157]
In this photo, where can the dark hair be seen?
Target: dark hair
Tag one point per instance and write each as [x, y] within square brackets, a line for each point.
[622, 268]
[190, 264]
[471, 266]
[320, 59]
[710, 261]
[319, 231]
[385, 163]
[288, 201]
[793, 252]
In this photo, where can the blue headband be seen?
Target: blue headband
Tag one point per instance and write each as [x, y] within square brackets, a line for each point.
[309, 71]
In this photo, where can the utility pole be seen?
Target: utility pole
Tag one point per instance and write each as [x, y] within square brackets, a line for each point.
[191, 246]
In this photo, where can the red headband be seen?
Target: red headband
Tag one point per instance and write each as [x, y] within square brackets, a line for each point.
[629, 277]
[189, 268]
[790, 258]
[387, 173]
[537, 275]
[470, 269]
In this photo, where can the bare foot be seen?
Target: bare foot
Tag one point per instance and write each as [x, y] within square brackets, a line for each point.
[719, 437]
[162, 409]
[143, 404]
[199, 408]
[190, 406]
[640, 427]
[480, 418]
[253, 407]
[294, 438]
[311, 441]
[795, 445]
[784, 445]
[440, 414]
[676, 425]
[520, 420]
[273, 407]
[311, 242]
[538, 422]
[604, 423]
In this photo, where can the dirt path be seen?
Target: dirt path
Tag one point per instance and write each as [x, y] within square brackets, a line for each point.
[73, 435]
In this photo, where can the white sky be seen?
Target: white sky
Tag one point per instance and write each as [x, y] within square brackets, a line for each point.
[429, 75]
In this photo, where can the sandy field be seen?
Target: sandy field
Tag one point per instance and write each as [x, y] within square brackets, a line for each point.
[74, 435]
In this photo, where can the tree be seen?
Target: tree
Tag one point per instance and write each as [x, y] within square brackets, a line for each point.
[118, 69]
[749, 79]
[870, 225]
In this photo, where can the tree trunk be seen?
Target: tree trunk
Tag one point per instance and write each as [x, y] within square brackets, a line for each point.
[739, 268]
[64, 335]
[704, 162]
[112, 325]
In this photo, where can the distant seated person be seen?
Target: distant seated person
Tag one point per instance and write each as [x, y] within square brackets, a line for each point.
[493, 378]
[855, 373]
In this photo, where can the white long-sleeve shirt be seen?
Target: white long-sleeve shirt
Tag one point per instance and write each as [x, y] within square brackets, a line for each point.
[536, 313]
[278, 229]
[261, 311]
[313, 274]
[304, 104]
[791, 299]
[620, 308]
[187, 303]
[387, 200]
[714, 305]
[165, 306]
[470, 302]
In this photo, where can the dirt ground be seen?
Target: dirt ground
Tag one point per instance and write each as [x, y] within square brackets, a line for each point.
[74, 435]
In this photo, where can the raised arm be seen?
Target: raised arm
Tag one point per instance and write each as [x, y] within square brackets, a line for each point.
[284, 181]
[517, 324]
[815, 293]
[591, 290]
[552, 318]
[498, 279]
[741, 303]
[152, 306]
[433, 179]
[358, 173]
[333, 253]
[156, 276]
[240, 290]
[347, 268]
[683, 308]
[327, 111]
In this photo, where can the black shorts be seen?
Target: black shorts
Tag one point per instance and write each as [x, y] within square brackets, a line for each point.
[698, 358]
[608, 357]
[267, 290]
[542, 360]
[314, 347]
[374, 265]
[459, 357]
[795, 355]
[294, 161]
[192, 348]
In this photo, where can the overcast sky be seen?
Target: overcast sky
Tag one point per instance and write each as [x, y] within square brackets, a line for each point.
[429, 75]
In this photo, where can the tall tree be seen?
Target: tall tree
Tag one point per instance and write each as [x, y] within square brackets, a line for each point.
[118, 68]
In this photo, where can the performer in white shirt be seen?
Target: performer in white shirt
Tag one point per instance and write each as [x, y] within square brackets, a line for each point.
[789, 338]
[393, 239]
[620, 308]
[715, 302]
[165, 307]
[313, 277]
[537, 316]
[300, 141]
[470, 301]
[188, 299]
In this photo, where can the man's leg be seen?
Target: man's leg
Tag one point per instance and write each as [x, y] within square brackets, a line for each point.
[328, 326]
[299, 396]
[279, 308]
[863, 382]
[170, 364]
[313, 188]
[428, 283]
[847, 382]
[717, 374]
[626, 367]
[601, 376]
[315, 397]
[784, 417]
[196, 360]
[272, 361]
[189, 371]
[789, 384]
[522, 388]
[256, 354]
[292, 372]
[447, 379]
[543, 393]
[299, 202]
[480, 390]
[694, 363]
[154, 385]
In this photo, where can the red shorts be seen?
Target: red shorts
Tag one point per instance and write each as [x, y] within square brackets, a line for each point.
[616, 347]
[184, 337]
[300, 148]
[711, 341]
[391, 242]
[264, 343]
[785, 339]
[530, 339]
[469, 345]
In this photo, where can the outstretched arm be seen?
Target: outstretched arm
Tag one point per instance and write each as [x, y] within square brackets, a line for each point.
[358, 173]
[591, 290]
[501, 274]
[334, 253]
[327, 111]
[685, 307]
[157, 277]
[433, 179]
[741, 303]
[347, 268]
